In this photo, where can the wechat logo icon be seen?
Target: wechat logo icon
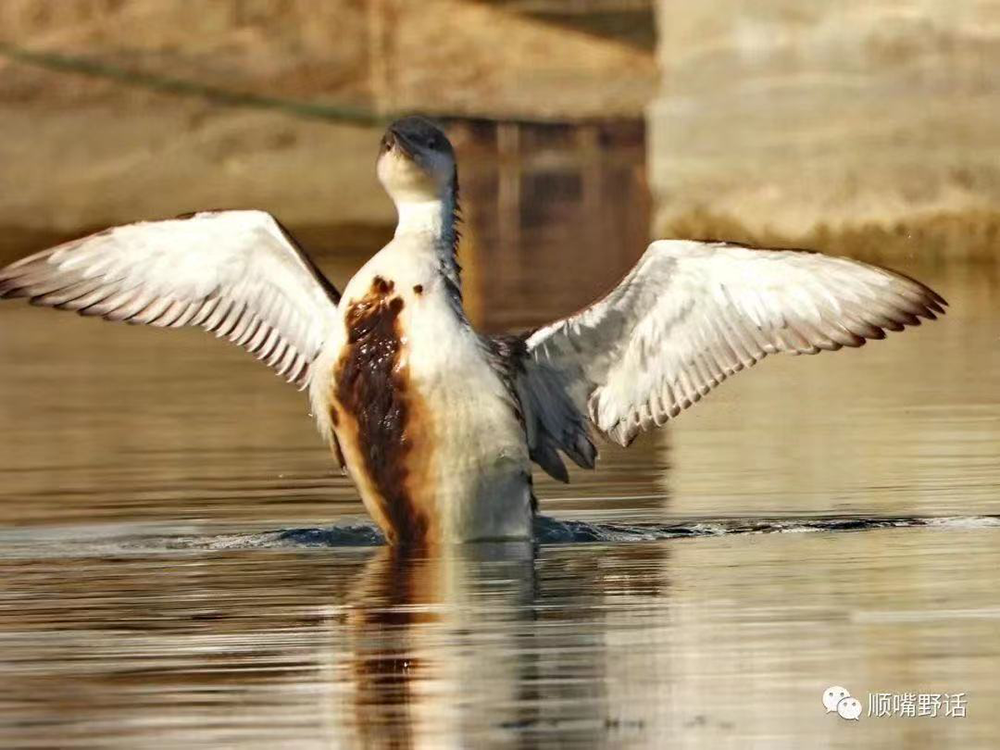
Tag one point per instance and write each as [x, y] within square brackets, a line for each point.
[838, 700]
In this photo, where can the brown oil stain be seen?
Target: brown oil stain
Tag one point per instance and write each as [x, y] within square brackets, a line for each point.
[335, 449]
[389, 439]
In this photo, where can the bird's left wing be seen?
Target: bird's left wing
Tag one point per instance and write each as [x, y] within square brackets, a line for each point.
[238, 274]
[689, 315]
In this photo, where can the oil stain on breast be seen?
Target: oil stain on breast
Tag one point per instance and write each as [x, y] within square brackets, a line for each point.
[373, 388]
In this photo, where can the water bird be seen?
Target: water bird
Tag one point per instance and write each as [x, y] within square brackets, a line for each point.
[436, 423]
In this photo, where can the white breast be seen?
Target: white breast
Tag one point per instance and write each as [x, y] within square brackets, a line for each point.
[481, 469]
[482, 462]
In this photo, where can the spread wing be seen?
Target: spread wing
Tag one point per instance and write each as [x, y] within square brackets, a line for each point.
[236, 273]
[689, 315]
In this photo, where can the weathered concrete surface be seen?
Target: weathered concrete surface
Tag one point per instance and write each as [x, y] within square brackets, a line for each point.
[830, 123]
[289, 48]
[89, 165]
[77, 152]
[477, 58]
[457, 57]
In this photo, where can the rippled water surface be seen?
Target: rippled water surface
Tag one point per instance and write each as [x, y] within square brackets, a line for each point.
[182, 566]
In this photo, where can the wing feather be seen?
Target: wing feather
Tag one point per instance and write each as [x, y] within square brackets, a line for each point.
[692, 314]
[238, 274]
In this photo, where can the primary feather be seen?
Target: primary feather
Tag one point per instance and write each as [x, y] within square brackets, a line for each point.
[238, 274]
[690, 314]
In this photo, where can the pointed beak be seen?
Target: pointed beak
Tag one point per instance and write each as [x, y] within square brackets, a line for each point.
[392, 138]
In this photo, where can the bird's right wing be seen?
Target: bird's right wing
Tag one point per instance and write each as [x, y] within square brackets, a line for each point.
[236, 273]
[688, 316]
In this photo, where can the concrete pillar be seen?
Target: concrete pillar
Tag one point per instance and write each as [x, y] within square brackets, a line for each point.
[849, 124]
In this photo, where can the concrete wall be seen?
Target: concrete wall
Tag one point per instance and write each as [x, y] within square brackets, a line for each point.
[480, 58]
[456, 57]
[80, 151]
[868, 124]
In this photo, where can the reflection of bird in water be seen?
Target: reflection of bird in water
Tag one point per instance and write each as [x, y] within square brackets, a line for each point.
[437, 424]
[428, 633]
[443, 648]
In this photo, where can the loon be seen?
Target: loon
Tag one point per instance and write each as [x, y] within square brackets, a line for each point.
[436, 423]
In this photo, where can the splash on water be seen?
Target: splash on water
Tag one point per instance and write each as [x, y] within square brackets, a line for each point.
[555, 531]
[92, 541]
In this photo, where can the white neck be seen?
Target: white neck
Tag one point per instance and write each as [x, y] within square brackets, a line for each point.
[436, 217]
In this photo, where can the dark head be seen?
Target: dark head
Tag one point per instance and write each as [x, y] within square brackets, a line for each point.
[416, 162]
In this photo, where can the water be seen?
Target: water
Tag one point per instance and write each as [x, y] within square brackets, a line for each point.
[183, 566]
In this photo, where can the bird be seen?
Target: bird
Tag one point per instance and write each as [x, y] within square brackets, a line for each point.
[437, 424]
